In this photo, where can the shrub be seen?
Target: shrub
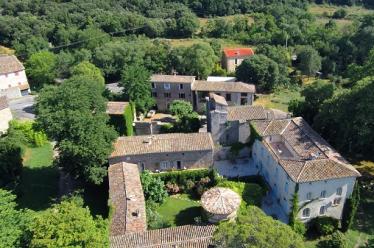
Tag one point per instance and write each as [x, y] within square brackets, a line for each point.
[153, 187]
[10, 162]
[299, 227]
[350, 208]
[336, 240]
[154, 220]
[28, 129]
[172, 188]
[339, 14]
[190, 185]
[129, 119]
[324, 225]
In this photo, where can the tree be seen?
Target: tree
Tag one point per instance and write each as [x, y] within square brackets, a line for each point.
[68, 224]
[180, 108]
[89, 70]
[137, 86]
[346, 120]
[186, 23]
[73, 114]
[41, 68]
[253, 228]
[188, 121]
[309, 60]
[259, 70]
[314, 95]
[198, 59]
[336, 240]
[13, 222]
[153, 187]
[10, 161]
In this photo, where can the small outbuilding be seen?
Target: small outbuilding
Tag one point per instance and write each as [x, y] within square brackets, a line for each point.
[220, 204]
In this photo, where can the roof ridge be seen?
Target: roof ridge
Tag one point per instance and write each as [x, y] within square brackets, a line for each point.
[284, 129]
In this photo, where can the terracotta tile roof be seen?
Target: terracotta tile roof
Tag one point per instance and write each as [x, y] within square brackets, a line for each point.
[218, 99]
[246, 113]
[312, 158]
[159, 78]
[219, 200]
[9, 64]
[127, 199]
[238, 52]
[116, 108]
[224, 87]
[3, 102]
[182, 237]
[162, 143]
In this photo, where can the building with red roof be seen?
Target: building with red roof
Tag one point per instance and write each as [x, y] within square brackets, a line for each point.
[233, 57]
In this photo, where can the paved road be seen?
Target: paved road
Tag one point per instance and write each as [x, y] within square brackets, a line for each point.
[23, 107]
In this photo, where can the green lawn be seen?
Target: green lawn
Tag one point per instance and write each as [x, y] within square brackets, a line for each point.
[39, 179]
[279, 99]
[179, 210]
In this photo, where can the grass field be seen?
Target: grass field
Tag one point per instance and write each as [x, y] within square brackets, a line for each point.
[279, 99]
[192, 41]
[179, 210]
[39, 179]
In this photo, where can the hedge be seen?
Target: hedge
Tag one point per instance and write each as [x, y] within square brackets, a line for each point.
[181, 177]
[350, 208]
[129, 119]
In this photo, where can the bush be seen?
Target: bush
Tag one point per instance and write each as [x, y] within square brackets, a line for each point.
[324, 225]
[336, 240]
[129, 119]
[350, 208]
[299, 227]
[28, 129]
[339, 14]
[172, 188]
[181, 177]
[10, 162]
[154, 220]
[153, 188]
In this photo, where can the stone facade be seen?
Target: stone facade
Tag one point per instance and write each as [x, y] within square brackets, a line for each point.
[167, 88]
[169, 161]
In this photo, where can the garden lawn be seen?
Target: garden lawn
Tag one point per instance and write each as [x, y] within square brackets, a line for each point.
[279, 99]
[179, 210]
[39, 179]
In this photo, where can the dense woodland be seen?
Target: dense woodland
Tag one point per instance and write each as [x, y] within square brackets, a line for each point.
[90, 43]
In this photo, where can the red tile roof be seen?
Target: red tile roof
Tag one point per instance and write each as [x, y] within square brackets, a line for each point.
[238, 52]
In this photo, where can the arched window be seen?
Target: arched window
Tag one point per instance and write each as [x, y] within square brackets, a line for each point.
[306, 212]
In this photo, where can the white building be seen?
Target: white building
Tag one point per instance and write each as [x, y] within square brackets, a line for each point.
[12, 76]
[291, 153]
[5, 115]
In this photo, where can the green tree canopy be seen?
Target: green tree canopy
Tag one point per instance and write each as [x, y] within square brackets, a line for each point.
[346, 119]
[153, 187]
[188, 120]
[41, 68]
[73, 114]
[137, 86]
[180, 108]
[68, 224]
[13, 222]
[259, 70]
[314, 95]
[89, 70]
[253, 228]
[309, 60]
[10, 161]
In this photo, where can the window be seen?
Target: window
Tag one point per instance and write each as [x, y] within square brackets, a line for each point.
[243, 94]
[339, 191]
[167, 95]
[164, 165]
[167, 86]
[181, 86]
[154, 94]
[179, 165]
[323, 194]
[309, 196]
[17, 73]
[153, 85]
[322, 210]
[306, 212]
[228, 97]
[286, 187]
[337, 201]
[182, 95]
